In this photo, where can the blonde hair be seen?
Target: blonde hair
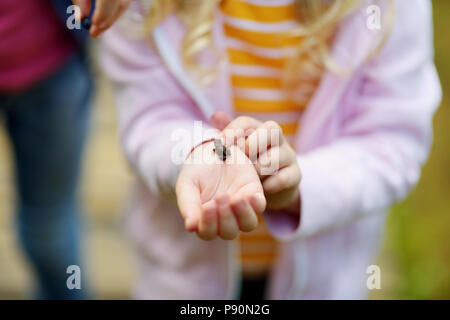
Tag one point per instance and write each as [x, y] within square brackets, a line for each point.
[318, 20]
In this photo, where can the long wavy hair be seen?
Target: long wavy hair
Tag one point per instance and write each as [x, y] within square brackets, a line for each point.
[318, 21]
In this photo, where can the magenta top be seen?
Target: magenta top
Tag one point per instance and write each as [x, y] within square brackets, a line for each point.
[33, 43]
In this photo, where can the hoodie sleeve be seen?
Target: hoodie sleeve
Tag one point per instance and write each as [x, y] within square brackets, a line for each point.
[377, 159]
[158, 121]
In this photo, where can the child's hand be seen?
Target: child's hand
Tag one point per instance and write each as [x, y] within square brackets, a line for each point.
[218, 198]
[276, 165]
[105, 14]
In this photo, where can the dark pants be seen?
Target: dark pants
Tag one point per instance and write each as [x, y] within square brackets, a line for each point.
[47, 127]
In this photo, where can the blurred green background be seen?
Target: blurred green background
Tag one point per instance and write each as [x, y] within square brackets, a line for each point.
[414, 260]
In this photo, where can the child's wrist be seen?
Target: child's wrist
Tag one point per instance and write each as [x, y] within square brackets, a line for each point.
[199, 145]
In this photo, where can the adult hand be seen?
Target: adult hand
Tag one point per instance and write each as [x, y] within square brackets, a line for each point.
[105, 14]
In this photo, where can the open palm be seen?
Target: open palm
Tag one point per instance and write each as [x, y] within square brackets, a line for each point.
[219, 198]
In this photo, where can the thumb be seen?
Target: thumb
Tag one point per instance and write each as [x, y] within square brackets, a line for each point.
[189, 203]
[220, 120]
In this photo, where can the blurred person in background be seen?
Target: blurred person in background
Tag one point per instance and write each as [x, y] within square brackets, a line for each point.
[45, 92]
[353, 106]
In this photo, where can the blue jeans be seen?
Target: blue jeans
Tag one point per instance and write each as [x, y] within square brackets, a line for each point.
[47, 126]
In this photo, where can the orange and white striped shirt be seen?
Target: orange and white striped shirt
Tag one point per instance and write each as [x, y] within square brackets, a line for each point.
[257, 50]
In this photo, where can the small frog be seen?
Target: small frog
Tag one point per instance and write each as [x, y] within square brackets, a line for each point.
[221, 150]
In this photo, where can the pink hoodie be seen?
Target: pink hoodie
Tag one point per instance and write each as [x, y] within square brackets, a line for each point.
[363, 140]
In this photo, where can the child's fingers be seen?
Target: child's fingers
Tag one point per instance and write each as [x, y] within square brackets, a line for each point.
[189, 203]
[220, 120]
[258, 202]
[228, 227]
[283, 200]
[285, 178]
[274, 159]
[254, 194]
[245, 216]
[268, 135]
[207, 228]
[239, 128]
